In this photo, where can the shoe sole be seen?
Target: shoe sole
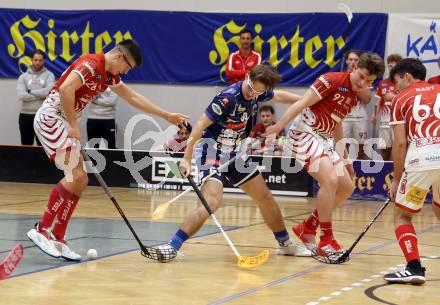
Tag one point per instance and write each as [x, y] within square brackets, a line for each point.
[70, 259]
[415, 280]
[40, 248]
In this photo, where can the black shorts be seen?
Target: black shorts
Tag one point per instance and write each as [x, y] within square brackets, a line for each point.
[237, 173]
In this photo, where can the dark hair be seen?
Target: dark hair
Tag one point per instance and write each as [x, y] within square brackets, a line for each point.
[354, 51]
[394, 58]
[373, 63]
[409, 65]
[188, 127]
[38, 51]
[266, 74]
[133, 47]
[267, 108]
[245, 31]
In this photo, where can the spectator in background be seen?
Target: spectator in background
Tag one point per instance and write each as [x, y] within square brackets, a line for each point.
[386, 90]
[101, 122]
[178, 143]
[32, 88]
[268, 146]
[435, 79]
[351, 59]
[242, 61]
[355, 124]
[239, 64]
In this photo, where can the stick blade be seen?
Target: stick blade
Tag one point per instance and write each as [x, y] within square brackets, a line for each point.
[253, 261]
[160, 211]
[333, 258]
[11, 261]
[346, 10]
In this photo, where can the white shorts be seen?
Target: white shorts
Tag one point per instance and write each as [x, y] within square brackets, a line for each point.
[307, 146]
[413, 188]
[357, 130]
[52, 130]
[386, 138]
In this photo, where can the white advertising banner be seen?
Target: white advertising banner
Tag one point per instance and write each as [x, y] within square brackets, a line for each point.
[417, 36]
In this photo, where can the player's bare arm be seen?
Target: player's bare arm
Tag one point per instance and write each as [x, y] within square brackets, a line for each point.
[310, 98]
[400, 146]
[196, 133]
[341, 148]
[142, 103]
[67, 97]
[284, 97]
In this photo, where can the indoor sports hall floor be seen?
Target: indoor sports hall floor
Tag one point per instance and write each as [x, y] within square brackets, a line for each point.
[207, 273]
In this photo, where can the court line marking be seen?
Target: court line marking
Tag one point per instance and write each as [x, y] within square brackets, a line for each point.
[310, 270]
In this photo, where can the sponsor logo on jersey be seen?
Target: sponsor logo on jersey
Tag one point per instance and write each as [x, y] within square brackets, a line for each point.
[216, 108]
[427, 141]
[432, 158]
[422, 89]
[414, 161]
[343, 89]
[236, 126]
[250, 64]
[325, 82]
[402, 188]
[416, 195]
[98, 77]
[89, 67]
[241, 108]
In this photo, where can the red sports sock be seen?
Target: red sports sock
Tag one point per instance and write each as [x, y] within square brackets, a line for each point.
[407, 238]
[326, 230]
[57, 197]
[63, 217]
[312, 222]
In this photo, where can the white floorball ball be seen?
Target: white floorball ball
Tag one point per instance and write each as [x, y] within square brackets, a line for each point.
[92, 254]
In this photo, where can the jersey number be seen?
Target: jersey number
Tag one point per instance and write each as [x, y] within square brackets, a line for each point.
[338, 98]
[422, 112]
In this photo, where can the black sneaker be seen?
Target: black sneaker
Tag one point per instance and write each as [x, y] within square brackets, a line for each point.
[407, 275]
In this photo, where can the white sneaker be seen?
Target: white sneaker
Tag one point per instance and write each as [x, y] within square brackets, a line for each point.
[167, 253]
[291, 249]
[66, 252]
[43, 242]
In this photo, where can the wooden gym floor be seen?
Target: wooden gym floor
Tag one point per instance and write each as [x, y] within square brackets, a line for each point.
[207, 273]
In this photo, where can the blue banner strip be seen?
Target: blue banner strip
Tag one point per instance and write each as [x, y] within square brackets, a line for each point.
[187, 47]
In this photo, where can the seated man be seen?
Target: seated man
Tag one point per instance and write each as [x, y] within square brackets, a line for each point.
[178, 143]
[268, 146]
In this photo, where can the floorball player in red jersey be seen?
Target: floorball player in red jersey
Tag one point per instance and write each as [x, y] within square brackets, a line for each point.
[415, 119]
[318, 117]
[56, 125]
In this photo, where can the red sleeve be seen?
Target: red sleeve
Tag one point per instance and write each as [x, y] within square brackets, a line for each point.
[325, 85]
[86, 69]
[234, 75]
[397, 110]
[379, 91]
[255, 130]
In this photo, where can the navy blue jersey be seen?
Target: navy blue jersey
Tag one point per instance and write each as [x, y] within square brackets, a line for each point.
[230, 113]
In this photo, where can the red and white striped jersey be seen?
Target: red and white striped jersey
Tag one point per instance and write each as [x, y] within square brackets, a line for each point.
[385, 86]
[337, 100]
[95, 79]
[418, 107]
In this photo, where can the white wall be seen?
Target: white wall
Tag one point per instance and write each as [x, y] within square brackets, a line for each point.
[186, 99]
